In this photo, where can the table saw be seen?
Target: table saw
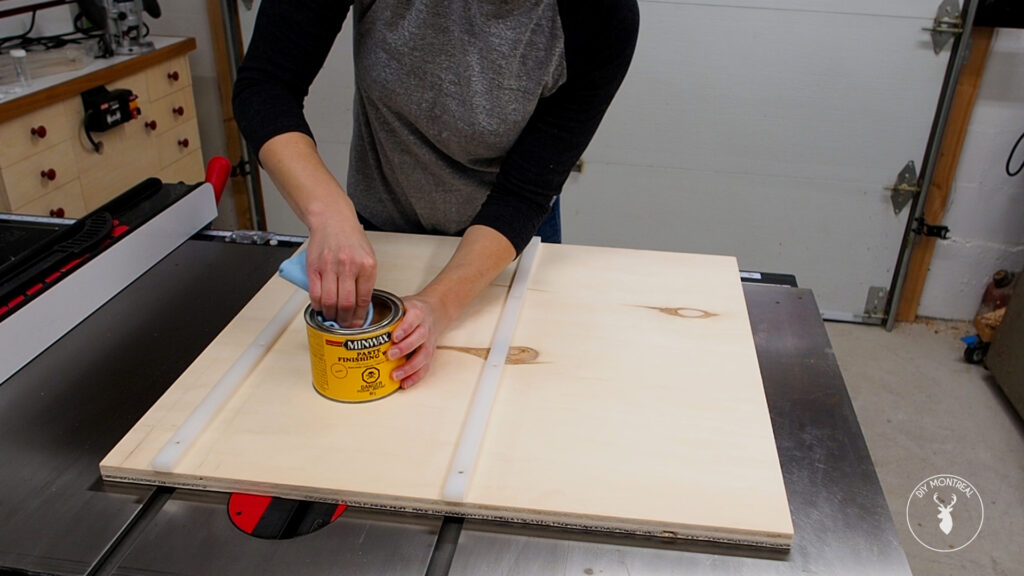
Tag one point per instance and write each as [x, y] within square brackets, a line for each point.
[68, 406]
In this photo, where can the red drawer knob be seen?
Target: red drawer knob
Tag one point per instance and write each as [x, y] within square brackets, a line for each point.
[57, 213]
[151, 124]
[180, 110]
[173, 76]
[50, 174]
[39, 131]
[183, 142]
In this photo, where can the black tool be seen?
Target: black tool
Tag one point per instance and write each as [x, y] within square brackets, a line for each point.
[105, 109]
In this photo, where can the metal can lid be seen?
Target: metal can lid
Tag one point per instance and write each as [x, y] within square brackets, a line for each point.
[387, 311]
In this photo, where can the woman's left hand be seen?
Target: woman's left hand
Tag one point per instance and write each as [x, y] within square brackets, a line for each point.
[416, 336]
[481, 255]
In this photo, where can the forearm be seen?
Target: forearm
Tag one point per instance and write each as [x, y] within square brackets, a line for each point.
[481, 255]
[340, 262]
[307, 185]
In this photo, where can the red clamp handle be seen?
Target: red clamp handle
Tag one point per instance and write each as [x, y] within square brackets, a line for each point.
[50, 174]
[217, 173]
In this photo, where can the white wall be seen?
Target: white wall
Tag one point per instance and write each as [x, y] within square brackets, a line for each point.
[986, 208]
[48, 22]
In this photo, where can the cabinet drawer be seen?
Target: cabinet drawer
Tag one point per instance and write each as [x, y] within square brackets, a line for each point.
[118, 172]
[170, 111]
[189, 170]
[33, 133]
[178, 142]
[67, 198]
[40, 174]
[167, 77]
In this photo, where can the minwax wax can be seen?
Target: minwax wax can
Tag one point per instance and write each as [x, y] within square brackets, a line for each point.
[351, 364]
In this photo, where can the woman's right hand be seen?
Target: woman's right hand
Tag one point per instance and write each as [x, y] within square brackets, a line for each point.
[342, 270]
[340, 263]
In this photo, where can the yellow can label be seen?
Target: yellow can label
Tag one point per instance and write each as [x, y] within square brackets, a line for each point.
[352, 368]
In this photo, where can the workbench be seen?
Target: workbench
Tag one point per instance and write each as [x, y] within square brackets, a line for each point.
[62, 412]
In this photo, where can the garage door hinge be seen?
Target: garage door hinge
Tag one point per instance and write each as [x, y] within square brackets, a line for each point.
[874, 307]
[923, 228]
[904, 188]
[948, 24]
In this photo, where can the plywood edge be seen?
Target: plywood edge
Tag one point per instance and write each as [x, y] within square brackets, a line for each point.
[776, 540]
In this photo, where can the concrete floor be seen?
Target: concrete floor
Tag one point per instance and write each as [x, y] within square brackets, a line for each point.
[924, 411]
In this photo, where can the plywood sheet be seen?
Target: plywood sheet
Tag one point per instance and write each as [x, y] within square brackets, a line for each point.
[632, 402]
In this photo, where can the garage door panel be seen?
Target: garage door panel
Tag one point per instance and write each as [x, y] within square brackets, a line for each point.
[805, 227]
[773, 92]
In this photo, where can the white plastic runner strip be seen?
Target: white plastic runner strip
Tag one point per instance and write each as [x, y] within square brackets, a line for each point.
[468, 447]
[218, 396]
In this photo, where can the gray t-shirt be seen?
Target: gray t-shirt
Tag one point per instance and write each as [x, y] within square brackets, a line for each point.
[470, 73]
[463, 107]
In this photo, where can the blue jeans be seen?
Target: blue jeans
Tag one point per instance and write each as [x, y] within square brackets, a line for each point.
[550, 230]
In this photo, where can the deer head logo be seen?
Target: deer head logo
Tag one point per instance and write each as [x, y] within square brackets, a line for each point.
[946, 524]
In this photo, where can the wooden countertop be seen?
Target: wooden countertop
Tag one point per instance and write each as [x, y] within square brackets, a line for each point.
[101, 71]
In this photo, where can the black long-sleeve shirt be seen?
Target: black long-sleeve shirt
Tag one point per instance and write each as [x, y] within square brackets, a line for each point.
[291, 42]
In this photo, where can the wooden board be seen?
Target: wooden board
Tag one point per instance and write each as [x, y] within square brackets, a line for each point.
[966, 92]
[632, 402]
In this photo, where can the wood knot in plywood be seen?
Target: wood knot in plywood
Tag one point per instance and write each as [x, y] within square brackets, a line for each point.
[516, 354]
[684, 312]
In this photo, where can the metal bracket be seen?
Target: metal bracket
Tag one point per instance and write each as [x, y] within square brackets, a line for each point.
[923, 228]
[904, 188]
[948, 23]
[874, 307]
[258, 237]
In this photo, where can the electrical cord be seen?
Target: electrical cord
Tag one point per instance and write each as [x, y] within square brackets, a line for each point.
[96, 146]
[81, 33]
[1009, 159]
[23, 35]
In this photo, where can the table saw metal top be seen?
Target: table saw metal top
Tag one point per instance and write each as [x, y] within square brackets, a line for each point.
[61, 413]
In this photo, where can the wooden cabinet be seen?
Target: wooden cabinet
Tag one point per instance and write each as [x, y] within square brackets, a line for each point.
[48, 166]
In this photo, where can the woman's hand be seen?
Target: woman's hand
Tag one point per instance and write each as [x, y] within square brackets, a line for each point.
[482, 254]
[342, 270]
[416, 336]
[340, 263]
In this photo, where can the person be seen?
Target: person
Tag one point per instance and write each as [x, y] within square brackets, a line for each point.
[468, 117]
